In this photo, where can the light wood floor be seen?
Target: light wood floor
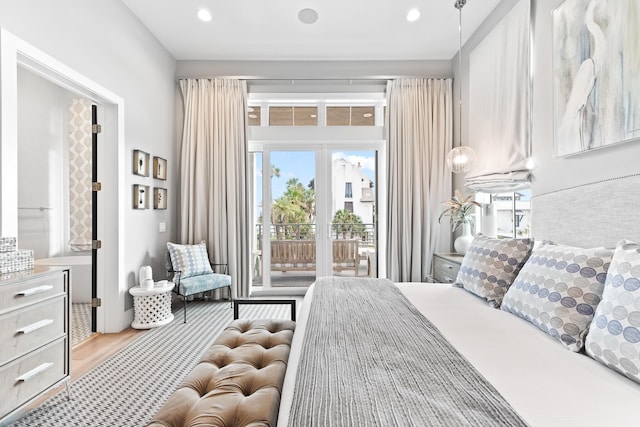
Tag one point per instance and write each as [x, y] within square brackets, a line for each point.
[93, 351]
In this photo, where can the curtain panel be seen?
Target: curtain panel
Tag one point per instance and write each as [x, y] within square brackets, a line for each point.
[419, 136]
[213, 170]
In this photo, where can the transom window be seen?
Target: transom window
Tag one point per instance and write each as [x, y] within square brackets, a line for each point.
[315, 115]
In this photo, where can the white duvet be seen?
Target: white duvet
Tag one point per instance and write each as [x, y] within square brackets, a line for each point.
[544, 382]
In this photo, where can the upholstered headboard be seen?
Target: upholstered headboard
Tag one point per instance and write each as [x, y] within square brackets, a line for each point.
[595, 214]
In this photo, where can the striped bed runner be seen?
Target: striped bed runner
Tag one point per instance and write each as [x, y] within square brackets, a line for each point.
[370, 358]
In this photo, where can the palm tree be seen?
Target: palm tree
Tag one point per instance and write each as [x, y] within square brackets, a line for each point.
[345, 221]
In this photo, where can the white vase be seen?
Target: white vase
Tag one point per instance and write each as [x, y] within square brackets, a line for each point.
[145, 273]
[462, 243]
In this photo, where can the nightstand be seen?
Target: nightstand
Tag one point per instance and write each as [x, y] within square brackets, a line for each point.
[445, 267]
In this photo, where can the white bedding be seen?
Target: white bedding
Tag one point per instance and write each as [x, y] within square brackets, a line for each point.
[544, 382]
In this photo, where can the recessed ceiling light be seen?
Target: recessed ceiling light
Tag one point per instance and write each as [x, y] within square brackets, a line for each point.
[250, 109]
[308, 16]
[367, 115]
[204, 15]
[313, 116]
[253, 116]
[413, 15]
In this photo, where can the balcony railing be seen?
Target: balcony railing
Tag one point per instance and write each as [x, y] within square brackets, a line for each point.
[363, 232]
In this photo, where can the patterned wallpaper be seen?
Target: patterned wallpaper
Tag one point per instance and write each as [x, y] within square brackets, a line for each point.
[80, 158]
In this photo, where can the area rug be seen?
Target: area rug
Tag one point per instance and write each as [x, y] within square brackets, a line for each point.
[80, 322]
[128, 388]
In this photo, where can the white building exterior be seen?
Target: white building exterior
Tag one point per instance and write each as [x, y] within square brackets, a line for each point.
[352, 190]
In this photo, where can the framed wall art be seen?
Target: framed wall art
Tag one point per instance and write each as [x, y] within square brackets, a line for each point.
[140, 163]
[159, 198]
[159, 168]
[596, 89]
[140, 196]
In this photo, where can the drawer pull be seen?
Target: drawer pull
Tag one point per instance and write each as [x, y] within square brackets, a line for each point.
[36, 290]
[35, 371]
[448, 266]
[35, 326]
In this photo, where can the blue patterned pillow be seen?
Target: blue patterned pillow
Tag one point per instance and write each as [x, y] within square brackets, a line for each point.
[490, 265]
[558, 290]
[190, 260]
[614, 335]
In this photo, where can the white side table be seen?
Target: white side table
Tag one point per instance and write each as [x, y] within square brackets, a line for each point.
[152, 307]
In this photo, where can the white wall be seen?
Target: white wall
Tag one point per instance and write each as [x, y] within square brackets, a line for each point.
[551, 174]
[104, 42]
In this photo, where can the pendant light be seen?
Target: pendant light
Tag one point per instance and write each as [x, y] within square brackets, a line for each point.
[461, 158]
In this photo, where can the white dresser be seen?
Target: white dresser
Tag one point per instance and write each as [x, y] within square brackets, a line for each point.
[34, 336]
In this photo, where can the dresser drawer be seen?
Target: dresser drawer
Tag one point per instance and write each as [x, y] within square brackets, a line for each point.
[445, 271]
[24, 330]
[26, 377]
[24, 292]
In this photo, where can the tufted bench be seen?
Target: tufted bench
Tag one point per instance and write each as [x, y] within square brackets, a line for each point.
[238, 382]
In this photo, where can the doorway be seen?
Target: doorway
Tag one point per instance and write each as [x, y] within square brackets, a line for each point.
[56, 165]
[321, 215]
[17, 53]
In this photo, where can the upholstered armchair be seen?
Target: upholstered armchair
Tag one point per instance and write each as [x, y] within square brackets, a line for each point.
[193, 273]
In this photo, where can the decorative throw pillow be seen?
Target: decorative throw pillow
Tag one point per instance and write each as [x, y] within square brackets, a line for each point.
[490, 265]
[559, 289]
[190, 260]
[614, 335]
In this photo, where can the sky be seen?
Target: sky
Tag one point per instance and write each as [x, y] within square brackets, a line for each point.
[301, 165]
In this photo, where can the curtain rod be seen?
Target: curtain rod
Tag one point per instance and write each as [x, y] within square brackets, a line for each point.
[318, 79]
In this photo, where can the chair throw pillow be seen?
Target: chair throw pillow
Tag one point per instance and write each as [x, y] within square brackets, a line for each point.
[190, 260]
[614, 335]
[490, 265]
[558, 290]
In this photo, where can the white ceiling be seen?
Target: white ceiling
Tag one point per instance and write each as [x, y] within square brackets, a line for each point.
[345, 30]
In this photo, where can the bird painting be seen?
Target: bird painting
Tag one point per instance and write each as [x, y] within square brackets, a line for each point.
[596, 61]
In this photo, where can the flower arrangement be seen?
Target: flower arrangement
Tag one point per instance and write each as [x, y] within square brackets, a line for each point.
[459, 210]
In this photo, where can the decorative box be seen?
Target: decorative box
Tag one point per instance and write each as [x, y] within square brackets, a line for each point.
[21, 259]
[7, 244]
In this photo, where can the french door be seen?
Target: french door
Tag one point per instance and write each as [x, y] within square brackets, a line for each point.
[314, 213]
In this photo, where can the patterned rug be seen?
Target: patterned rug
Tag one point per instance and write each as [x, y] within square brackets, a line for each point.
[129, 387]
[80, 322]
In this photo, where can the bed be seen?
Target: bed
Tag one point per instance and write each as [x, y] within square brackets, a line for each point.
[542, 381]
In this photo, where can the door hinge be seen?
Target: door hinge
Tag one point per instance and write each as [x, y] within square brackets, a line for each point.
[96, 244]
[96, 302]
[96, 186]
[96, 128]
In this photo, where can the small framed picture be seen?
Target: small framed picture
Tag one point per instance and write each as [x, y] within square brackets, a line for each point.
[140, 163]
[159, 198]
[140, 196]
[159, 168]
